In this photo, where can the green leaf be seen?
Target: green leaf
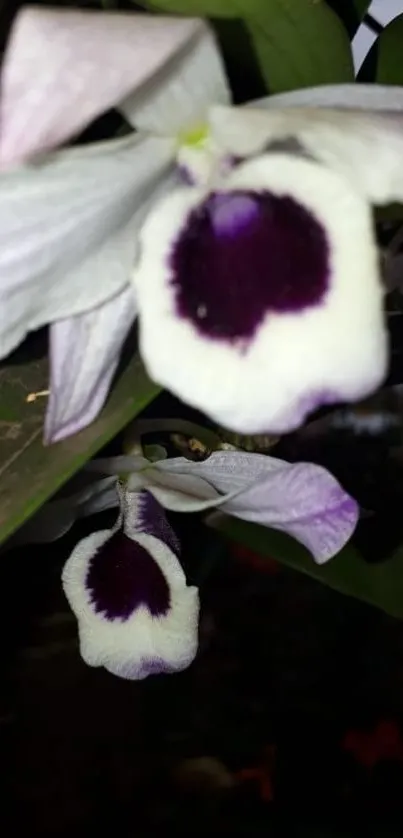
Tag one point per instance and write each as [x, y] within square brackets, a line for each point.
[390, 53]
[379, 584]
[195, 8]
[29, 471]
[361, 7]
[390, 212]
[298, 43]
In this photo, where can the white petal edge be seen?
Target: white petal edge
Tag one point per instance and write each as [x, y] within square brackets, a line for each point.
[84, 354]
[347, 141]
[372, 97]
[128, 648]
[270, 387]
[178, 96]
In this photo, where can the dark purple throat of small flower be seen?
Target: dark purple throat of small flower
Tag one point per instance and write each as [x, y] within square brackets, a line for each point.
[244, 254]
[153, 521]
[123, 576]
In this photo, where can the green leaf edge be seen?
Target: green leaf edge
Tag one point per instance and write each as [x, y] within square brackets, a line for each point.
[390, 47]
[120, 408]
[347, 573]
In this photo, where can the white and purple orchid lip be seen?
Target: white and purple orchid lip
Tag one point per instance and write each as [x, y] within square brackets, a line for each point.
[259, 296]
[136, 614]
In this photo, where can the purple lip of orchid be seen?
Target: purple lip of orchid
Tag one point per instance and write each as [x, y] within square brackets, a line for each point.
[152, 521]
[243, 254]
[123, 576]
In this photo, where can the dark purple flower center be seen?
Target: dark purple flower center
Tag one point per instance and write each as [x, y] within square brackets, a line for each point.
[123, 576]
[244, 254]
[153, 521]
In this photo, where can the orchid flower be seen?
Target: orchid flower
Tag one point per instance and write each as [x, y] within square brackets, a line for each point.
[256, 284]
[264, 277]
[136, 614]
[126, 586]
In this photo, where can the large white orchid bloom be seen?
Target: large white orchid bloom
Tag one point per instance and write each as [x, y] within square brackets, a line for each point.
[257, 285]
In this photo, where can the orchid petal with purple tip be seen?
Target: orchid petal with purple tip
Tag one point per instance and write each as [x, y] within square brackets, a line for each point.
[136, 614]
[302, 499]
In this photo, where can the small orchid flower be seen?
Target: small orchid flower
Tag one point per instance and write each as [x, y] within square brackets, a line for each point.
[257, 284]
[136, 614]
[126, 586]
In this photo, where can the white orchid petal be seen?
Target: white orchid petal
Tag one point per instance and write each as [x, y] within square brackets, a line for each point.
[180, 94]
[135, 612]
[371, 97]
[239, 349]
[68, 229]
[303, 499]
[179, 493]
[347, 141]
[84, 354]
[63, 67]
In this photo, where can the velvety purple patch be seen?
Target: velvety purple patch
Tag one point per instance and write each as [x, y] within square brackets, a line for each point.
[152, 521]
[242, 254]
[123, 576]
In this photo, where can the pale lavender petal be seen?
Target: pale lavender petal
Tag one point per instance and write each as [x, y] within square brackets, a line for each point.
[303, 500]
[177, 492]
[306, 502]
[84, 354]
[64, 67]
[68, 229]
